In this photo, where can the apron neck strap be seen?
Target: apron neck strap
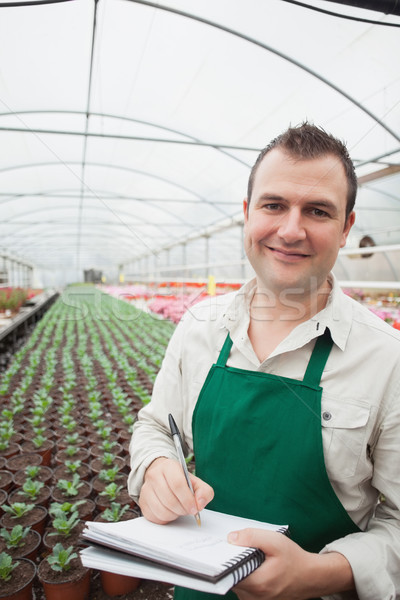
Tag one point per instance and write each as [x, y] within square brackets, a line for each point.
[316, 363]
[224, 354]
[318, 359]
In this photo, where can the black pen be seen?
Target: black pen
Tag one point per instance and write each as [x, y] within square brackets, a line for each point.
[176, 436]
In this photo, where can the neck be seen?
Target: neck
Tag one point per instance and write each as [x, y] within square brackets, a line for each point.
[287, 306]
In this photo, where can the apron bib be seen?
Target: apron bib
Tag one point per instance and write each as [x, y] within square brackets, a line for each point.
[258, 442]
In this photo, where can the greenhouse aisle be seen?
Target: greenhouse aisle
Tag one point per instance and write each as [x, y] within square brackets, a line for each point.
[68, 401]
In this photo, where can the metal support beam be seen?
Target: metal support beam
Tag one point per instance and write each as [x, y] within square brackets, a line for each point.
[389, 7]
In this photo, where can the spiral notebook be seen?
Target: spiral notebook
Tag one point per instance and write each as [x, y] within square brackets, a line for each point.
[180, 553]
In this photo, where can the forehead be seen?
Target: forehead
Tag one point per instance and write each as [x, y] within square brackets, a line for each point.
[281, 173]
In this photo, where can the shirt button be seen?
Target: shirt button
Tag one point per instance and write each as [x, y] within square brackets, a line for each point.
[326, 416]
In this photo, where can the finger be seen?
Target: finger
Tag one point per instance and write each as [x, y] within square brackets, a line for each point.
[203, 492]
[165, 494]
[169, 497]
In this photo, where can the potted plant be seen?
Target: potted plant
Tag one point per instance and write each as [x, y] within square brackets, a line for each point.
[6, 480]
[28, 515]
[113, 493]
[108, 460]
[67, 489]
[70, 467]
[42, 446]
[31, 491]
[20, 542]
[64, 527]
[63, 576]
[85, 508]
[21, 461]
[35, 472]
[16, 578]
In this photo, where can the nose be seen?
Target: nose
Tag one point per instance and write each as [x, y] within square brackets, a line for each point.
[291, 227]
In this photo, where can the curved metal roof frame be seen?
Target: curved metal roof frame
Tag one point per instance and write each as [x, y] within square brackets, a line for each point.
[129, 54]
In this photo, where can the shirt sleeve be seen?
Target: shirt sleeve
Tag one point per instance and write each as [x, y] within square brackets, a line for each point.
[151, 436]
[374, 554]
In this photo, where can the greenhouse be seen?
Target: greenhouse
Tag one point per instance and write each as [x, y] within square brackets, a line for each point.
[129, 130]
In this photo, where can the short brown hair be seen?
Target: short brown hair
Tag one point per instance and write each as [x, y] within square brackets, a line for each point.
[308, 141]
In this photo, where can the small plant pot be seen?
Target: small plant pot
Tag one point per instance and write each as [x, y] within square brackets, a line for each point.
[44, 475]
[45, 450]
[74, 583]
[6, 480]
[99, 485]
[13, 448]
[97, 439]
[81, 442]
[36, 519]
[20, 461]
[29, 548]
[82, 454]
[123, 498]
[97, 451]
[116, 585]
[97, 464]
[73, 539]
[62, 472]
[3, 500]
[19, 587]
[84, 491]
[42, 498]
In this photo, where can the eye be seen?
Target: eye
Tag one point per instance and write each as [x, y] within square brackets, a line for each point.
[318, 212]
[272, 206]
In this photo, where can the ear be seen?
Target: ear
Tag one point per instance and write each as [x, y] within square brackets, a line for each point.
[348, 225]
[245, 210]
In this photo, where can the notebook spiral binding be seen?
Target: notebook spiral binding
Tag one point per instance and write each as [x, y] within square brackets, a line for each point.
[245, 563]
[283, 530]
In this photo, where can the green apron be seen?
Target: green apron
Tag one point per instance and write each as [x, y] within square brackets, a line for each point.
[258, 442]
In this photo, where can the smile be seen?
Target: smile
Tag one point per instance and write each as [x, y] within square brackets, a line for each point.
[288, 254]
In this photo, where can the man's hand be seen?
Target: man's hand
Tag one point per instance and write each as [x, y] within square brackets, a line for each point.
[165, 494]
[289, 572]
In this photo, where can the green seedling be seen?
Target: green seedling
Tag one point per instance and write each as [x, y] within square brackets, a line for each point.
[32, 471]
[18, 509]
[63, 524]
[60, 558]
[39, 440]
[108, 445]
[73, 466]
[64, 507]
[32, 488]
[109, 475]
[6, 566]
[15, 537]
[108, 459]
[111, 491]
[72, 439]
[115, 512]
[70, 488]
[71, 451]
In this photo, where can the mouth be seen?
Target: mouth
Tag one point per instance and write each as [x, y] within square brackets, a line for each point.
[287, 254]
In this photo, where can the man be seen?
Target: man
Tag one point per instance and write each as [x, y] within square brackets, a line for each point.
[288, 393]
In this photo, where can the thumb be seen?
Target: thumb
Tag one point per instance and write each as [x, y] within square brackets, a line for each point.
[268, 541]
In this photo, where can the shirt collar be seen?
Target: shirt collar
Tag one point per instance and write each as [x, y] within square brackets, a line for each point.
[337, 316]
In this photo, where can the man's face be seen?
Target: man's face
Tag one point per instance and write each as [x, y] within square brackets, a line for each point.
[296, 221]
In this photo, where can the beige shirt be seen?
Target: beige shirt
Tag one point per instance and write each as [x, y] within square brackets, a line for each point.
[360, 414]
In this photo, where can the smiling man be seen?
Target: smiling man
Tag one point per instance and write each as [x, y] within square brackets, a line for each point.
[288, 393]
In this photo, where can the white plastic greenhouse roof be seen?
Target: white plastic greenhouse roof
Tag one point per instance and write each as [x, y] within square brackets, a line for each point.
[128, 127]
